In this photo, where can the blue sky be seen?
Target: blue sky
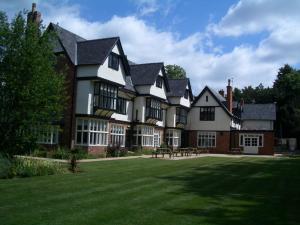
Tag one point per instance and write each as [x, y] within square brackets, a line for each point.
[213, 40]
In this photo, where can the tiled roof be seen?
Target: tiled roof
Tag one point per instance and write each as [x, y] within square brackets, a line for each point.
[259, 112]
[177, 87]
[145, 74]
[67, 39]
[94, 51]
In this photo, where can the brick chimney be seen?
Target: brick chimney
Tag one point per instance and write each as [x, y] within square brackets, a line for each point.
[229, 96]
[34, 15]
[221, 92]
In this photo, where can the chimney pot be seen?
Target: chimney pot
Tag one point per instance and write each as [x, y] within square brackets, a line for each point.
[229, 97]
[221, 92]
[33, 7]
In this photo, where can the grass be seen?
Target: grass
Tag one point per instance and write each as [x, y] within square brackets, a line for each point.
[219, 191]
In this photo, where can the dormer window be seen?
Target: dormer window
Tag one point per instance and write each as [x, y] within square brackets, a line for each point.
[186, 94]
[113, 61]
[159, 82]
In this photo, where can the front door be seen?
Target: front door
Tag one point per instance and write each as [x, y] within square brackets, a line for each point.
[251, 150]
[251, 144]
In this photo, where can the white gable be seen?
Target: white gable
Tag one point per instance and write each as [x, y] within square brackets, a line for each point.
[211, 101]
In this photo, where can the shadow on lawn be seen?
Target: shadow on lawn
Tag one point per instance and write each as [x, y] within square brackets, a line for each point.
[262, 192]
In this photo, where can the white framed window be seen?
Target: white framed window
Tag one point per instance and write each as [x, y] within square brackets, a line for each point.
[254, 140]
[206, 139]
[91, 132]
[173, 137]
[117, 135]
[47, 134]
[157, 141]
[143, 136]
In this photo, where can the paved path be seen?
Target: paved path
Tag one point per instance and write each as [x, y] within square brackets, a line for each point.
[221, 155]
[149, 156]
[87, 160]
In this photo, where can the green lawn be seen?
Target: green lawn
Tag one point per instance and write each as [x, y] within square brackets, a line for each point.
[223, 191]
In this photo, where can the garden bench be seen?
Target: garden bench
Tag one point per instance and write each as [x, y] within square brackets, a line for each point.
[162, 151]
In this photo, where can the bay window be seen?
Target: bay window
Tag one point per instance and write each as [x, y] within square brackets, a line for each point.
[117, 135]
[143, 136]
[105, 96]
[181, 115]
[91, 132]
[121, 106]
[153, 109]
[173, 137]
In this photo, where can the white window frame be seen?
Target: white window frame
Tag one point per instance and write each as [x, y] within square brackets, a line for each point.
[96, 131]
[251, 137]
[210, 136]
[47, 134]
[156, 139]
[117, 134]
[173, 137]
[146, 133]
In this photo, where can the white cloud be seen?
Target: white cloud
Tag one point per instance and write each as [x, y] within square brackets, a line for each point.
[248, 65]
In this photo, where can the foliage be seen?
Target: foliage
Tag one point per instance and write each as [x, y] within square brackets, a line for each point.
[175, 72]
[287, 95]
[61, 153]
[5, 167]
[259, 94]
[32, 93]
[116, 151]
[139, 150]
[26, 167]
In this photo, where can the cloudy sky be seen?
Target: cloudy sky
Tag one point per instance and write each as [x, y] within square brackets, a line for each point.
[213, 40]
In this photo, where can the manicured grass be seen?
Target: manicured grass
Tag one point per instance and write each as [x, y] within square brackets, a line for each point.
[222, 191]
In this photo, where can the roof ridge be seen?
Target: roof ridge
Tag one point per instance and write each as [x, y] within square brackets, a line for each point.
[147, 63]
[98, 39]
[64, 29]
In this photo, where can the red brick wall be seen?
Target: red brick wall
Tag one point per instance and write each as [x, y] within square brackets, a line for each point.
[65, 66]
[222, 141]
[268, 145]
[268, 148]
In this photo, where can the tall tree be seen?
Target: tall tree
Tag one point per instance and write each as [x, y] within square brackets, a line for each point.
[32, 92]
[175, 72]
[287, 95]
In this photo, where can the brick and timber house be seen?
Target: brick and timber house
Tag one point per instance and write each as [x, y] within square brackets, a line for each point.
[115, 102]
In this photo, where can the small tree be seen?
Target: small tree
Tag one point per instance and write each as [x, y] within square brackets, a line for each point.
[175, 72]
[32, 92]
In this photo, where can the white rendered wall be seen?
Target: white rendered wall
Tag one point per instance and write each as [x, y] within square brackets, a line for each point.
[171, 117]
[140, 105]
[103, 71]
[222, 120]
[84, 96]
[111, 74]
[128, 116]
[257, 125]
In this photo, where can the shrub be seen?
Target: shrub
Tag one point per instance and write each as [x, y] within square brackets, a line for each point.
[39, 152]
[24, 167]
[61, 153]
[5, 167]
[116, 151]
